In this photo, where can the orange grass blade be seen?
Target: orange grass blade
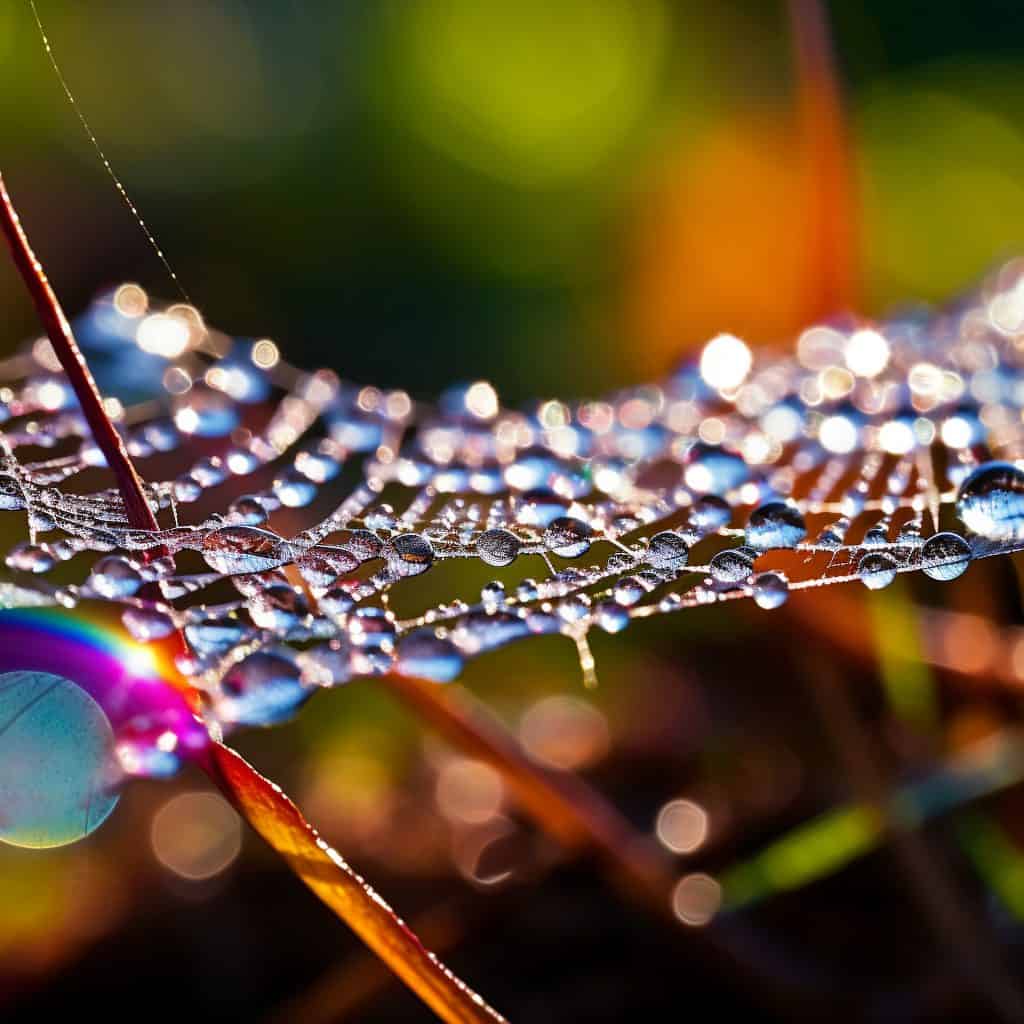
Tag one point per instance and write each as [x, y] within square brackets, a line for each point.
[281, 824]
[832, 275]
[561, 803]
[58, 330]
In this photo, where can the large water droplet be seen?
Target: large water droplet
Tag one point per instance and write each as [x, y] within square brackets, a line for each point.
[771, 589]
[945, 556]
[876, 570]
[667, 550]
[56, 746]
[423, 655]
[990, 501]
[498, 547]
[409, 554]
[262, 689]
[775, 524]
[568, 537]
[113, 577]
[244, 549]
[731, 566]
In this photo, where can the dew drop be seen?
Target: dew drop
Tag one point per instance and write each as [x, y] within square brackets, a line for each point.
[409, 554]
[243, 549]
[262, 689]
[771, 589]
[876, 570]
[775, 524]
[568, 537]
[667, 550]
[113, 577]
[498, 547]
[731, 566]
[423, 655]
[990, 501]
[945, 556]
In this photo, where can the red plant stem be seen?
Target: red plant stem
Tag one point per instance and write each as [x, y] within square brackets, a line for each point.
[140, 515]
[832, 277]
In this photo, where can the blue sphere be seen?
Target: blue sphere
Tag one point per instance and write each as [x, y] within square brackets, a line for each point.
[55, 751]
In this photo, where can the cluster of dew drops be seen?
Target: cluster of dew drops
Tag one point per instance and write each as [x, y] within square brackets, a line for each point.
[862, 452]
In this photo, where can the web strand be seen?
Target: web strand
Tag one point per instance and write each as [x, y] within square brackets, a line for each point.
[103, 156]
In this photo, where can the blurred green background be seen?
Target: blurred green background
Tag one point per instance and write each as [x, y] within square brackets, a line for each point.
[560, 197]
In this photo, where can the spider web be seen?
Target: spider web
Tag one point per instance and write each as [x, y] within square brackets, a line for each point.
[294, 505]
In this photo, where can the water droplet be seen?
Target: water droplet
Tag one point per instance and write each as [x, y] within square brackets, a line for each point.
[876, 570]
[498, 547]
[568, 537]
[30, 558]
[12, 497]
[612, 618]
[945, 556]
[628, 590]
[214, 636]
[667, 550]
[423, 655]
[371, 628]
[731, 566]
[293, 489]
[775, 524]
[771, 589]
[263, 689]
[381, 517]
[277, 607]
[243, 549]
[146, 624]
[113, 577]
[990, 501]
[409, 554]
[713, 470]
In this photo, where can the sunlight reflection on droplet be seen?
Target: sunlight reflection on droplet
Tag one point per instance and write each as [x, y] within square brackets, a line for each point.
[838, 434]
[682, 826]
[196, 835]
[163, 335]
[866, 353]
[725, 362]
[696, 899]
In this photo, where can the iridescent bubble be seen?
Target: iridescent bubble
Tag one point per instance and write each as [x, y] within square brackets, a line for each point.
[990, 501]
[945, 556]
[56, 749]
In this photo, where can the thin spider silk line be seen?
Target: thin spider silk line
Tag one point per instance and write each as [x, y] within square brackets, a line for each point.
[91, 135]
